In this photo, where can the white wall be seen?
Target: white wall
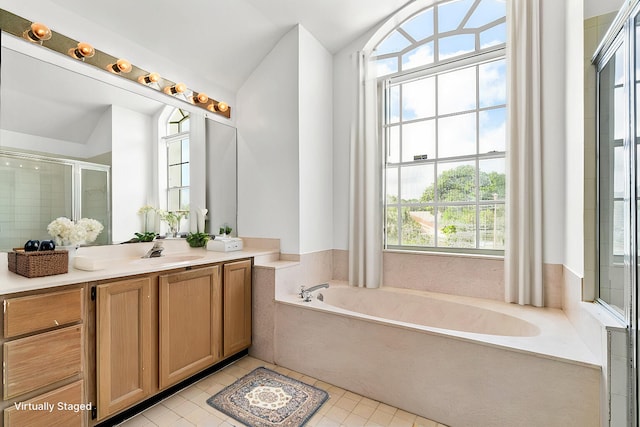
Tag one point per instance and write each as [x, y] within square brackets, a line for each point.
[315, 145]
[267, 122]
[131, 162]
[596, 7]
[574, 140]
[553, 129]
[284, 122]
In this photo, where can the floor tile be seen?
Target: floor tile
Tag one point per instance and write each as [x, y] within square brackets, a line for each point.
[344, 408]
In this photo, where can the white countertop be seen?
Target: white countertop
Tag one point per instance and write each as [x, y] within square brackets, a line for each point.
[122, 260]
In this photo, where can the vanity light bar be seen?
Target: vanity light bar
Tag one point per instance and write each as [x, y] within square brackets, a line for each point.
[38, 33]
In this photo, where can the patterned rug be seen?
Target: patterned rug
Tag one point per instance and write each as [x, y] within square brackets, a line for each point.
[264, 398]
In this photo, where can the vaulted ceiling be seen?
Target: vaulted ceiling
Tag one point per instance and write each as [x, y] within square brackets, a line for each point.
[228, 39]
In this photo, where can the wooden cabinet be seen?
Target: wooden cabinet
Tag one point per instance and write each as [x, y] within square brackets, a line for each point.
[36, 361]
[64, 407]
[23, 315]
[43, 355]
[123, 338]
[155, 331]
[237, 307]
[190, 323]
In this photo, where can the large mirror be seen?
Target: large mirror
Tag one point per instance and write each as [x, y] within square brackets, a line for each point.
[75, 146]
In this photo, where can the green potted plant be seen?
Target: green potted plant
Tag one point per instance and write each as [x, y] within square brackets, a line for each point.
[197, 240]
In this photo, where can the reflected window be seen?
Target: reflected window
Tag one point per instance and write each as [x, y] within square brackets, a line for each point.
[177, 145]
[444, 76]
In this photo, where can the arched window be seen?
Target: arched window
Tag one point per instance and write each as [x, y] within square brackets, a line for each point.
[177, 145]
[443, 76]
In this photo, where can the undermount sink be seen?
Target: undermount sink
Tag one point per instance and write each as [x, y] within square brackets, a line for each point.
[168, 259]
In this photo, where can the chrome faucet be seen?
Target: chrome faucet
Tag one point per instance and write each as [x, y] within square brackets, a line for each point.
[305, 293]
[155, 251]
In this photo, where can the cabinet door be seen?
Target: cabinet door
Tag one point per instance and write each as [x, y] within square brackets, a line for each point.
[237, 307]
[123, 344]
[190, 323]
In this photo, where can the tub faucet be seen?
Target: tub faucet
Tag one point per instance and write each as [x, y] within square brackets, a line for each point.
[155, 251]
[305, 294]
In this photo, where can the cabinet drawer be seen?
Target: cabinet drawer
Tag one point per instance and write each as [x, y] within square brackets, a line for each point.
[34, 313]
[40, 360]
[66, 404]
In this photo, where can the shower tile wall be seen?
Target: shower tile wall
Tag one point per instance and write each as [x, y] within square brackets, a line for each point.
[31, 195]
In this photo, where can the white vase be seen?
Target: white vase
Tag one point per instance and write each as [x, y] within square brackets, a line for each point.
[72, 249]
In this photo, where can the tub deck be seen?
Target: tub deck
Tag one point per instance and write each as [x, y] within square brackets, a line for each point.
[454, 377]
[557, 338]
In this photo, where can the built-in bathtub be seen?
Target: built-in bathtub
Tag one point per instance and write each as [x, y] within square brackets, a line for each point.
[457, 360]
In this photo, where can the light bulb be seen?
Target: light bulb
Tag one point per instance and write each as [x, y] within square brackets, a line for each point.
[149, 78]
[37, 33]
[121, 66]
[176, 88]
[82, 51]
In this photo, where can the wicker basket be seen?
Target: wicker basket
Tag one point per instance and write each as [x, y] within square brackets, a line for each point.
[38, 263]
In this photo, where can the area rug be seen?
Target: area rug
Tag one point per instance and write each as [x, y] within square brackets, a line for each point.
[264, 398]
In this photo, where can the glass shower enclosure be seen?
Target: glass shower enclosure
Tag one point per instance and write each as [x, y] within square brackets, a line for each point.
[34, 190]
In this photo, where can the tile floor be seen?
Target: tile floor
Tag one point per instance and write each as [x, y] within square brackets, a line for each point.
[343, 408]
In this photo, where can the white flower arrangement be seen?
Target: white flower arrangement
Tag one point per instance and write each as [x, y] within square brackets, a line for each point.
[67, 233]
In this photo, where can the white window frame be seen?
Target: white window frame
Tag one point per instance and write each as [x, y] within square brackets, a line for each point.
[472, 59]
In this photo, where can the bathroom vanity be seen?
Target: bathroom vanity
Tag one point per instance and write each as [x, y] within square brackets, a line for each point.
[81, 347]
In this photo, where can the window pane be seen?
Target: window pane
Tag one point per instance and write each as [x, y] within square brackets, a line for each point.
[457, 91]
[418, 57]
[457, 135]
[386, 66]
[493, 36]
[419, 99]
[618, 172]
[457, 226]
[393, 144]
[173, 199]
[493, 130]
[493, 87]
[492, 179]
[418, 139]
[184, 126]
[456, 182]
[486, 12]
[416, 183]
[394, 42]
[618, 113]
[184, 199]
[618, 227]
[492, 227]
[393, 109]
[392, 226]
[185, 174]
[175, 176]
[174, 153]
[185, 150]
[420, 26]
[418, 225]
[457, 45]
[392, 185]
[450, 14]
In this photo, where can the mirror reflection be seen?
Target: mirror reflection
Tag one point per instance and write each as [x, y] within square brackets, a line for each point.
[73, 146]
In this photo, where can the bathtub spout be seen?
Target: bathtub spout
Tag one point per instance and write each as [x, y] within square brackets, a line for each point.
[305, 294]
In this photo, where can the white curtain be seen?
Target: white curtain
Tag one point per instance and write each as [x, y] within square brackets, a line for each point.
[365, 197]
[523, 246]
